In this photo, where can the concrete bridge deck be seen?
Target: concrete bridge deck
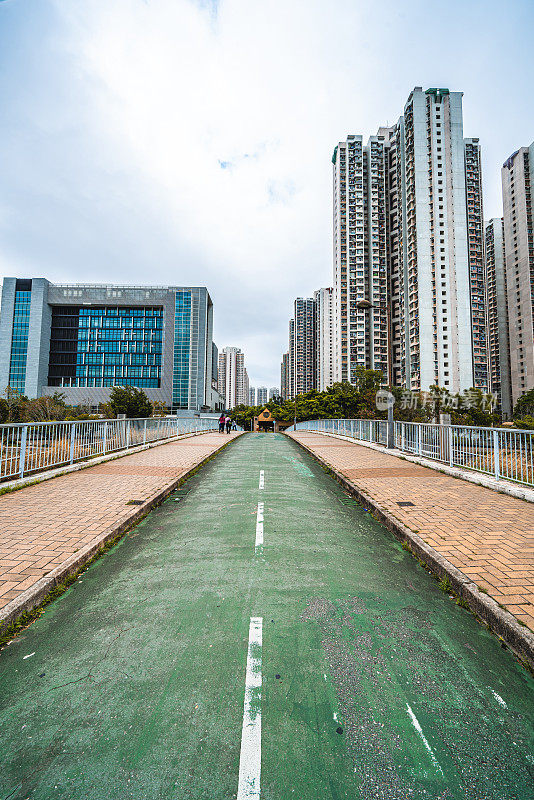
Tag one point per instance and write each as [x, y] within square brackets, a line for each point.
[488, 536]
[263, 638]
[49, 527]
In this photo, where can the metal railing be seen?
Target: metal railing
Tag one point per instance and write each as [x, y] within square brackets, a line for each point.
[501, 452]
[34, 446]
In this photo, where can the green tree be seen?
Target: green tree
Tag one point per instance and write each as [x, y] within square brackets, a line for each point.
[16, 404]
[524, 406]
[4, 411]
[130, 401]
[47, 408]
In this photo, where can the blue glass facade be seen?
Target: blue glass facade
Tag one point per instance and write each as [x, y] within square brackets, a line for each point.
[19, 341]
[83, 339]
[106, 346]
[182, 348]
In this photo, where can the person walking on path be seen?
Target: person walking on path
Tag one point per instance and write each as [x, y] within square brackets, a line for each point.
[222, 423]
[228, 424]
[234, 425]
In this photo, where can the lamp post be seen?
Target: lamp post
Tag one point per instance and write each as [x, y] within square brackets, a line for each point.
[366, 305]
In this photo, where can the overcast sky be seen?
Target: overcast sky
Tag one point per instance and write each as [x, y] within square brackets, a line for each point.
[189, 143]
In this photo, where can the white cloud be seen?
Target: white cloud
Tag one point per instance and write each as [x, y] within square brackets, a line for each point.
[170, 141]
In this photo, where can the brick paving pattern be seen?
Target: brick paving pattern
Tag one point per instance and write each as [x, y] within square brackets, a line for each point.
[43, 525]
[487, 535]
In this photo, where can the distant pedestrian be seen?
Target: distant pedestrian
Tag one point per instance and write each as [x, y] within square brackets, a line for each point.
[234, 425]
[228, 424]
[222, 423]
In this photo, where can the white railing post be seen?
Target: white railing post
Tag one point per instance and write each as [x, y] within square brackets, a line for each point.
[451, 460]
[403, 435]
[418, 432]
[496, 454]
[128, 425]
[72, 440]
[105, 438]
[144, 433]
[22, 453]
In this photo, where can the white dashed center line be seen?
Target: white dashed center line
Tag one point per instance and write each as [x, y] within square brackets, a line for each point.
[250, 758]
[259, 526]
[419, 730]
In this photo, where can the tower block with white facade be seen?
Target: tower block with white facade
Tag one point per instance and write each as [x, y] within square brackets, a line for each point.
[409, 283]
[233, 377]
[324, 330]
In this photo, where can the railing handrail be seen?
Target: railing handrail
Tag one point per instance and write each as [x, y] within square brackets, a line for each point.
[404, 422]
[504, 453]
[35, 446]
[94, 421]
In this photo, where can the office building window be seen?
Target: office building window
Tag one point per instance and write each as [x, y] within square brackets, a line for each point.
[107, 346]
[19, 339]
[182, 349]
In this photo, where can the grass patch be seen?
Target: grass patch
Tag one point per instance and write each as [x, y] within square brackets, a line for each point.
[27, 617]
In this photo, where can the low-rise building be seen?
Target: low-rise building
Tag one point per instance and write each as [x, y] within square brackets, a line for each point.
[83, 339]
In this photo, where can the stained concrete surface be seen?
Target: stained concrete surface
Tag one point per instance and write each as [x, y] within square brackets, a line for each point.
[135, 681]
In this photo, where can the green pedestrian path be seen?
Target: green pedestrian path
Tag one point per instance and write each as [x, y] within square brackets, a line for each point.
[363, 679]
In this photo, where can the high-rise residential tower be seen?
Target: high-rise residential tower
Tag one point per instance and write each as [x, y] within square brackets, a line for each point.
[324, 329]
[517, 186]
[233, 377]
[291, 360]
[304, 344]
[497, 304]
[477, 277]
[408, 250]
[298, 373]
[284, 377]
[83, 339]
[360, 297]
[262, 395]
[252, 396]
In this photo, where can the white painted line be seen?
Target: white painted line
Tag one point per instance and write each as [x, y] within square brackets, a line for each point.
[250, 758]
[262, 480]
[498, 698]
[28, 656]
[419, 730]
[259, 526]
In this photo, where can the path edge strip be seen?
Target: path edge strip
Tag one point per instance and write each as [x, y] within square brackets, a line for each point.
[501, 622]
[35, 596]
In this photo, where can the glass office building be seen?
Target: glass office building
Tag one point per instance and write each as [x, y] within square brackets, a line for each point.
[19, 339]
[82, 340]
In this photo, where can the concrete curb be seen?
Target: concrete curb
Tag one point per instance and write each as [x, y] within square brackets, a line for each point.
[34, 595]
[479, 478]
[38, 477]
[519, 639]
